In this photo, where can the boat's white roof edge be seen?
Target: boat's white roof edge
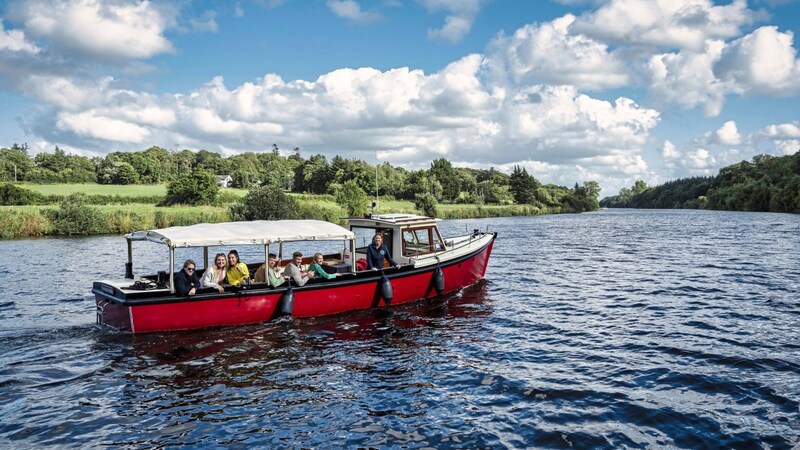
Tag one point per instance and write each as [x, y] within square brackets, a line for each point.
[394, 219]
[243, 233]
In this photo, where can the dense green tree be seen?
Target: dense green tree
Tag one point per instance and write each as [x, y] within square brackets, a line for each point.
[114, 170]
[416, 183]
[15, 163]
[592, 189]
[522, 186]
[12, 195]
[126, 174]
[313, 176]
[275, 170]
[391, 180]
[198, 188]
[494, 193]
[182, 163]
[468, 178]
[493, 176]
[245, 169]
[353, 169]
[352, 198]
[447, 176]
[639, 187]
[211, 162]
[55, 162]
[426, 204]
[59, 167]
[75, 216]
[767, 183]
[265, 203]
[158, 165]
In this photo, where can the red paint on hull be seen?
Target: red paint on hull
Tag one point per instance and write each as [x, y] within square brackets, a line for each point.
[315, 299]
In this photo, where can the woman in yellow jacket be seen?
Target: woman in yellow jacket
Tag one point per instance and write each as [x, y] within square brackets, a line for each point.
[237, 270]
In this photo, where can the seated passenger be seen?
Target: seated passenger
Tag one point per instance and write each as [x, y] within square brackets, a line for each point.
[377, 252]
[237, 270]
[317, 269]
[186, 281]
[215, 275]
[273, 274]
[297, 271]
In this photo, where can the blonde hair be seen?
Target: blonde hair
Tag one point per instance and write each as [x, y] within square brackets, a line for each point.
[317, 254]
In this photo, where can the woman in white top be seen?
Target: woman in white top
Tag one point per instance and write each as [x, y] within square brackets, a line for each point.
[215, 275]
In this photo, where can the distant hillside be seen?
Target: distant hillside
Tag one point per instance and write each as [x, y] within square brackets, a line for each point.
[768, 183]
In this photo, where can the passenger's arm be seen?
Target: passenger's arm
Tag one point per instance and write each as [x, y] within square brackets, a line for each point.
[209, 279]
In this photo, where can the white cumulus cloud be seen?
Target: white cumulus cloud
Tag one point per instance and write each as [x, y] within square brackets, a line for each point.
[763, 61]
[90, 125]
[549, 54]
[681, 24]
[14, 41]
[458, 21]
[669, 151]
[104, 30]
[350, 9]
[687, 79]
[728, 134]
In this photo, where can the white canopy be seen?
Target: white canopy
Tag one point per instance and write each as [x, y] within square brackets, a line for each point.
[239, 233]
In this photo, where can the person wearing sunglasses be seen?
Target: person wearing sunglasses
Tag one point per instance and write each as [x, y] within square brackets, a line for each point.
[186, 280]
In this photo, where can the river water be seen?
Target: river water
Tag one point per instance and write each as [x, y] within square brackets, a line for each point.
[616, 329]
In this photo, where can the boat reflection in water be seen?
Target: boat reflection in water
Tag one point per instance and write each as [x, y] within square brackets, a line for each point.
[288, 339]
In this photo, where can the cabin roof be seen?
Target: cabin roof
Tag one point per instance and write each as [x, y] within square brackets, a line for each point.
[242, 233]
[391, 220]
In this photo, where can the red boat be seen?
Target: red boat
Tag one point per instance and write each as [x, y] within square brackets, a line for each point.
[429, 265]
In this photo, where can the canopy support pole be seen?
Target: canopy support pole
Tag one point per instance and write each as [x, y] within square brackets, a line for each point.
[205, 257]
[171, 271]
[129, 264]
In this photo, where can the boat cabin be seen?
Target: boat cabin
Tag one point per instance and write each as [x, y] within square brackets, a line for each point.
[409, 237]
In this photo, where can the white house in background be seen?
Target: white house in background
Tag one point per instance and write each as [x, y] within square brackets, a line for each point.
[224, 180]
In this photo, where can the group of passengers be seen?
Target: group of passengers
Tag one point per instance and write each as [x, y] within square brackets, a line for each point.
[229, 271]
[233, 272]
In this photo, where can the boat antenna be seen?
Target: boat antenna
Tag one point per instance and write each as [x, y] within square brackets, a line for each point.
[375, 204]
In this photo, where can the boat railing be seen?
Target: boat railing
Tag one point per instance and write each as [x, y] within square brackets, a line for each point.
[452, 245]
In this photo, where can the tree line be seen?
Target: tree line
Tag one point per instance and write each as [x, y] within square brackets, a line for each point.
[767, 183]
[189, 176]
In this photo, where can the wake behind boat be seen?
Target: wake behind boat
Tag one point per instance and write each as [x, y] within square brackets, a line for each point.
[429, 265]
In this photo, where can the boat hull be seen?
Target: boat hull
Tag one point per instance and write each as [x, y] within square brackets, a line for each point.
[150, 313]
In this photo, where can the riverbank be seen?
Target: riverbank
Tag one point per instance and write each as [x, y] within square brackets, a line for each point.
[29, 221]
[113, 209]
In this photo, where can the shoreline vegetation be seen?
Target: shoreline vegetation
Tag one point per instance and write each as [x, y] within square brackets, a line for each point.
[57, 193]
[91, 209]
[765, 184]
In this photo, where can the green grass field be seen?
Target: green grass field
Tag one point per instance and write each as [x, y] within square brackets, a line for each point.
[135, 190]
[31, 221]
[131, 190]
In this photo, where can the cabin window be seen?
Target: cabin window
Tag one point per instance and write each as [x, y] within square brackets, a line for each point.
[421, 240]
[364, 236]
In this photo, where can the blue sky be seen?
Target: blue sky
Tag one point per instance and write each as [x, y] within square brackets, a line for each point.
[572, 90]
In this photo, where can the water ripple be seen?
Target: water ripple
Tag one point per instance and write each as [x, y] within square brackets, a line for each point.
[619, 329]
